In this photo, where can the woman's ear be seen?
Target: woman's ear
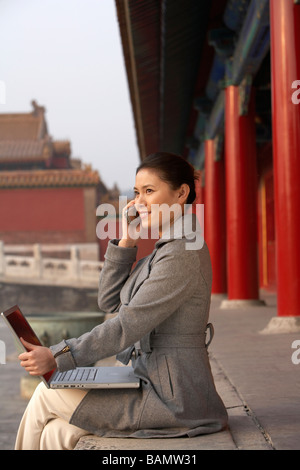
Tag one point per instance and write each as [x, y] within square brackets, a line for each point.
[183, 193]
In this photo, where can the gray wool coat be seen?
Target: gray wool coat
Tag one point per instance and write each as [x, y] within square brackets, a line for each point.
[163, 307]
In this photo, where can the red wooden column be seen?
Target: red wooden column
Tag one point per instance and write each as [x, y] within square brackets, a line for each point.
[285, 68]
[214, 216]
[241, 201]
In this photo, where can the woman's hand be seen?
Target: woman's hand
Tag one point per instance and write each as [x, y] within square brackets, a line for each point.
[130, 234]
[38, 360]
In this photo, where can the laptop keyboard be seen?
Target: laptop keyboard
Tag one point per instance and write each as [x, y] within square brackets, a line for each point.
[80, 374]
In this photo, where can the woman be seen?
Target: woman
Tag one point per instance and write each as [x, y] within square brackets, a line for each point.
[163, 307]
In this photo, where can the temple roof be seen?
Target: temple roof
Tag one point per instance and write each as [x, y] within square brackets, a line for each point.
[48, 178]
[25, 141]
[12, 151]
[24, 126]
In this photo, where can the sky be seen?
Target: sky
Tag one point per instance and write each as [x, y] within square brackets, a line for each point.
[67, 55]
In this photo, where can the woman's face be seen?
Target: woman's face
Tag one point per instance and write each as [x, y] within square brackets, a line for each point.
[154, 198]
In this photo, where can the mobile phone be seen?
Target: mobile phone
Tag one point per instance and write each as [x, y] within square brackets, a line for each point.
[133, 214]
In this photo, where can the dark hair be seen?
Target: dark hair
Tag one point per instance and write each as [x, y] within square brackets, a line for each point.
[172, 169]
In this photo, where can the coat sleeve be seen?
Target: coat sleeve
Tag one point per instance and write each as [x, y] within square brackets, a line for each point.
[116, 269]
[171, 282]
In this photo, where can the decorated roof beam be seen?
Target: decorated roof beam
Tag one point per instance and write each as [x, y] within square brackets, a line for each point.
[251, 48]
[197, 158]
[253, 43]
[224, 39]
[215, 121]
[217, 74]
[204, 106]
[235, 13]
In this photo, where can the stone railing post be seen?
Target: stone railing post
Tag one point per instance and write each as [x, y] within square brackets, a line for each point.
[2, 259]
[38, 261]
[74, 255]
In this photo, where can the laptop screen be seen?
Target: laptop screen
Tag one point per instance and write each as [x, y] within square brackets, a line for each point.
[22, 329]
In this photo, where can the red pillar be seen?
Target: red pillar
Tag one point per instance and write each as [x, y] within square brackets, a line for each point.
[285, 68]
[241, 199]
[214, 214]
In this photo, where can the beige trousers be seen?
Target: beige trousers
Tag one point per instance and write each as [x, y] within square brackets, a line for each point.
[45, 423]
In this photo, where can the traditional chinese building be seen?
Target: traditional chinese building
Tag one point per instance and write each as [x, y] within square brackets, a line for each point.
[45, 195]
[214, 81]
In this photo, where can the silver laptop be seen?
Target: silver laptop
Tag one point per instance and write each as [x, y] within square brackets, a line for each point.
[81, 377]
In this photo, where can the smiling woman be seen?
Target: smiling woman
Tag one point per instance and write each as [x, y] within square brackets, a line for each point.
[165, 182]
[162, 307]
[150, 199]
[172, 169]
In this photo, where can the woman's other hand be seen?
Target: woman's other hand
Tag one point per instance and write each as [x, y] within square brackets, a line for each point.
[37, 360]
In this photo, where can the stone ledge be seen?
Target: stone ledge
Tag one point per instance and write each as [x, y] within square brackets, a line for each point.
[241, 433]
[221, 440]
